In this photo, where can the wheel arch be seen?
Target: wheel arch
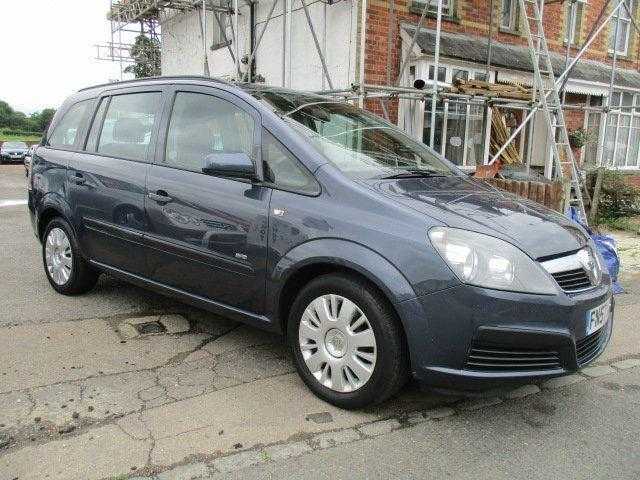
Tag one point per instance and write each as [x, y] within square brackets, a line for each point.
[312, 259]
[52, 205]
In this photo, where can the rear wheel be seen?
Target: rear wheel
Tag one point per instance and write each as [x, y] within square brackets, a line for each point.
[67, 272]
[347, 342]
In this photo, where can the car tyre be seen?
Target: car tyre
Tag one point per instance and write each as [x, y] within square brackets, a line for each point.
[385, 362]
[67, 271]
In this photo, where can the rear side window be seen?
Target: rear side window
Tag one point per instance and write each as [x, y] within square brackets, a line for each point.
[283, 170]
[203, 124]
[128, 124]
[66, 133]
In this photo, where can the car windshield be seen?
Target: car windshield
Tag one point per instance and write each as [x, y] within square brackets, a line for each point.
[357, 142]
[14, 145]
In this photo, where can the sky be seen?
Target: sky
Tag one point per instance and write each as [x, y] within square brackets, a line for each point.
[47, 50]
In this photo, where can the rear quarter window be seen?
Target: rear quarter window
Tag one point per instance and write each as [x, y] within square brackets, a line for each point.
[66, 133]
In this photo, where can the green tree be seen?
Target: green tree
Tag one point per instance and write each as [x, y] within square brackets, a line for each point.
[36, 122]
[45, 118]
[146, 55]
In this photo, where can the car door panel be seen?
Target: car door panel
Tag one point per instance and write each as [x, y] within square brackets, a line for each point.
[107, 189]
[209, 239]
[207, 234]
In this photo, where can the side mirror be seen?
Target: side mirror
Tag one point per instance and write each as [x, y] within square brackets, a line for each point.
[235, 165]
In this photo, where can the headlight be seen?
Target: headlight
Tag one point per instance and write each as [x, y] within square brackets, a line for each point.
[489, 262]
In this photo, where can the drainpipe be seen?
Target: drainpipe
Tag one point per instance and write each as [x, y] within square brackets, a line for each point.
[252, 39]
[363, 42]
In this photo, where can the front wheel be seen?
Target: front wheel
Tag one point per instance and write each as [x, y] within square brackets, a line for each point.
[347, 342]
[67, 272]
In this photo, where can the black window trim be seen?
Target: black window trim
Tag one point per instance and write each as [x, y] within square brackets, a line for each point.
[161, 146]
[107, 100]
[83, 131]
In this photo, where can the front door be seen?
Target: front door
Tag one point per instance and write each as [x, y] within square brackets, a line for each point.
[107, 181]
[208, 234]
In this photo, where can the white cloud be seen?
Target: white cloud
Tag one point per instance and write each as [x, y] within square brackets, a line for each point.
[47, 50]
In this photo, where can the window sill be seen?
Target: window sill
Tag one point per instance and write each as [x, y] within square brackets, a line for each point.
[218, 46]
[510, 31]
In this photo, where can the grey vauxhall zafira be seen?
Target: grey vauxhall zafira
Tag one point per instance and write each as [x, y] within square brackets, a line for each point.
[297, 214]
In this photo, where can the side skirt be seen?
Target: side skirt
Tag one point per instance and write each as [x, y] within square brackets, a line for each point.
[239, 315]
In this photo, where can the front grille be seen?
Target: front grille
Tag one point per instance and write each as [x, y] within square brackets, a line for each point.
[589, 347]
[572, 280]
[487, 358]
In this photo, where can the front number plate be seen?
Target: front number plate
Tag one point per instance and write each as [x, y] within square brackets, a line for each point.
[598, 317]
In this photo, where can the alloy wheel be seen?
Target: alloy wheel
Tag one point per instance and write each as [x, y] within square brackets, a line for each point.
[58, 256]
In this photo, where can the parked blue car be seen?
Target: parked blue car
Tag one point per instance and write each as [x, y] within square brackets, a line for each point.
[377, 258]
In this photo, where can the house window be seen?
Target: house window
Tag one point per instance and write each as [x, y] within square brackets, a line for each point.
[622, 133]
[447, 7]
[442, 73]
[509, 17]
[220, 36]
[572, 35]
[624, 28]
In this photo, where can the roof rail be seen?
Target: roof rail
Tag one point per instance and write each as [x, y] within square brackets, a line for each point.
[149, 79]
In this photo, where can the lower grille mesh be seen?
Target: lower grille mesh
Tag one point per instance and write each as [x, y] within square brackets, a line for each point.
[489, 358]
[588, 347]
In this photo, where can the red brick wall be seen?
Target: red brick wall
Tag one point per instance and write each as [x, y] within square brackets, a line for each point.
[473, 17]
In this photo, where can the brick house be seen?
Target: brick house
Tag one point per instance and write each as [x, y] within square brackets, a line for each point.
[287, 56]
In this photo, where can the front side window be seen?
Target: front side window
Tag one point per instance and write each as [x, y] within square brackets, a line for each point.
[355, 141]
[65, 133]
[283, 170]
[128, 124]
[202, 124]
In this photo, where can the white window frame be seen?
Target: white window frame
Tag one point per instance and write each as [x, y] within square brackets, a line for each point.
[575, 34]
[512, 25]
[447, 7]
[633, 113]
[625, 19]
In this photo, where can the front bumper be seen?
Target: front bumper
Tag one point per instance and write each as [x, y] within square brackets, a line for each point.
[469, 339]
[13, 157]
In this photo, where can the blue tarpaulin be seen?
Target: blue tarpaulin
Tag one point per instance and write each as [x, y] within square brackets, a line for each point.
[606, 245]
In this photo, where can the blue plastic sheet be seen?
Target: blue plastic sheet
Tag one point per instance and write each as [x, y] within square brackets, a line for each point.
[606, 245]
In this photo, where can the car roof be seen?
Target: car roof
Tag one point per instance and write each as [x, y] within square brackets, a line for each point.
[249, 88]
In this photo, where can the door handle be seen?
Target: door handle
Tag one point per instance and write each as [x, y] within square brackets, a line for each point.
[78, 179]
[160, 197]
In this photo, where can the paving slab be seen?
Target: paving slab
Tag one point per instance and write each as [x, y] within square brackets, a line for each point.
[597, 371]
[240, 338]
[261, 412]
[379, 428]
[287, 450]
[68, 351]
[102, 453]
[192, 471]
[332, 439]
[626, 364]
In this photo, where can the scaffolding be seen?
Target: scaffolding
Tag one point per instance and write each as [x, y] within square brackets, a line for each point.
[148, 12]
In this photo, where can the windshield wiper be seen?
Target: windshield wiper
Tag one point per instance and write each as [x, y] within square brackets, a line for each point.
[415, 174]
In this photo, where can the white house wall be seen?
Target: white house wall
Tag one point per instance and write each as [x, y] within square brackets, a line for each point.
[335, 25]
